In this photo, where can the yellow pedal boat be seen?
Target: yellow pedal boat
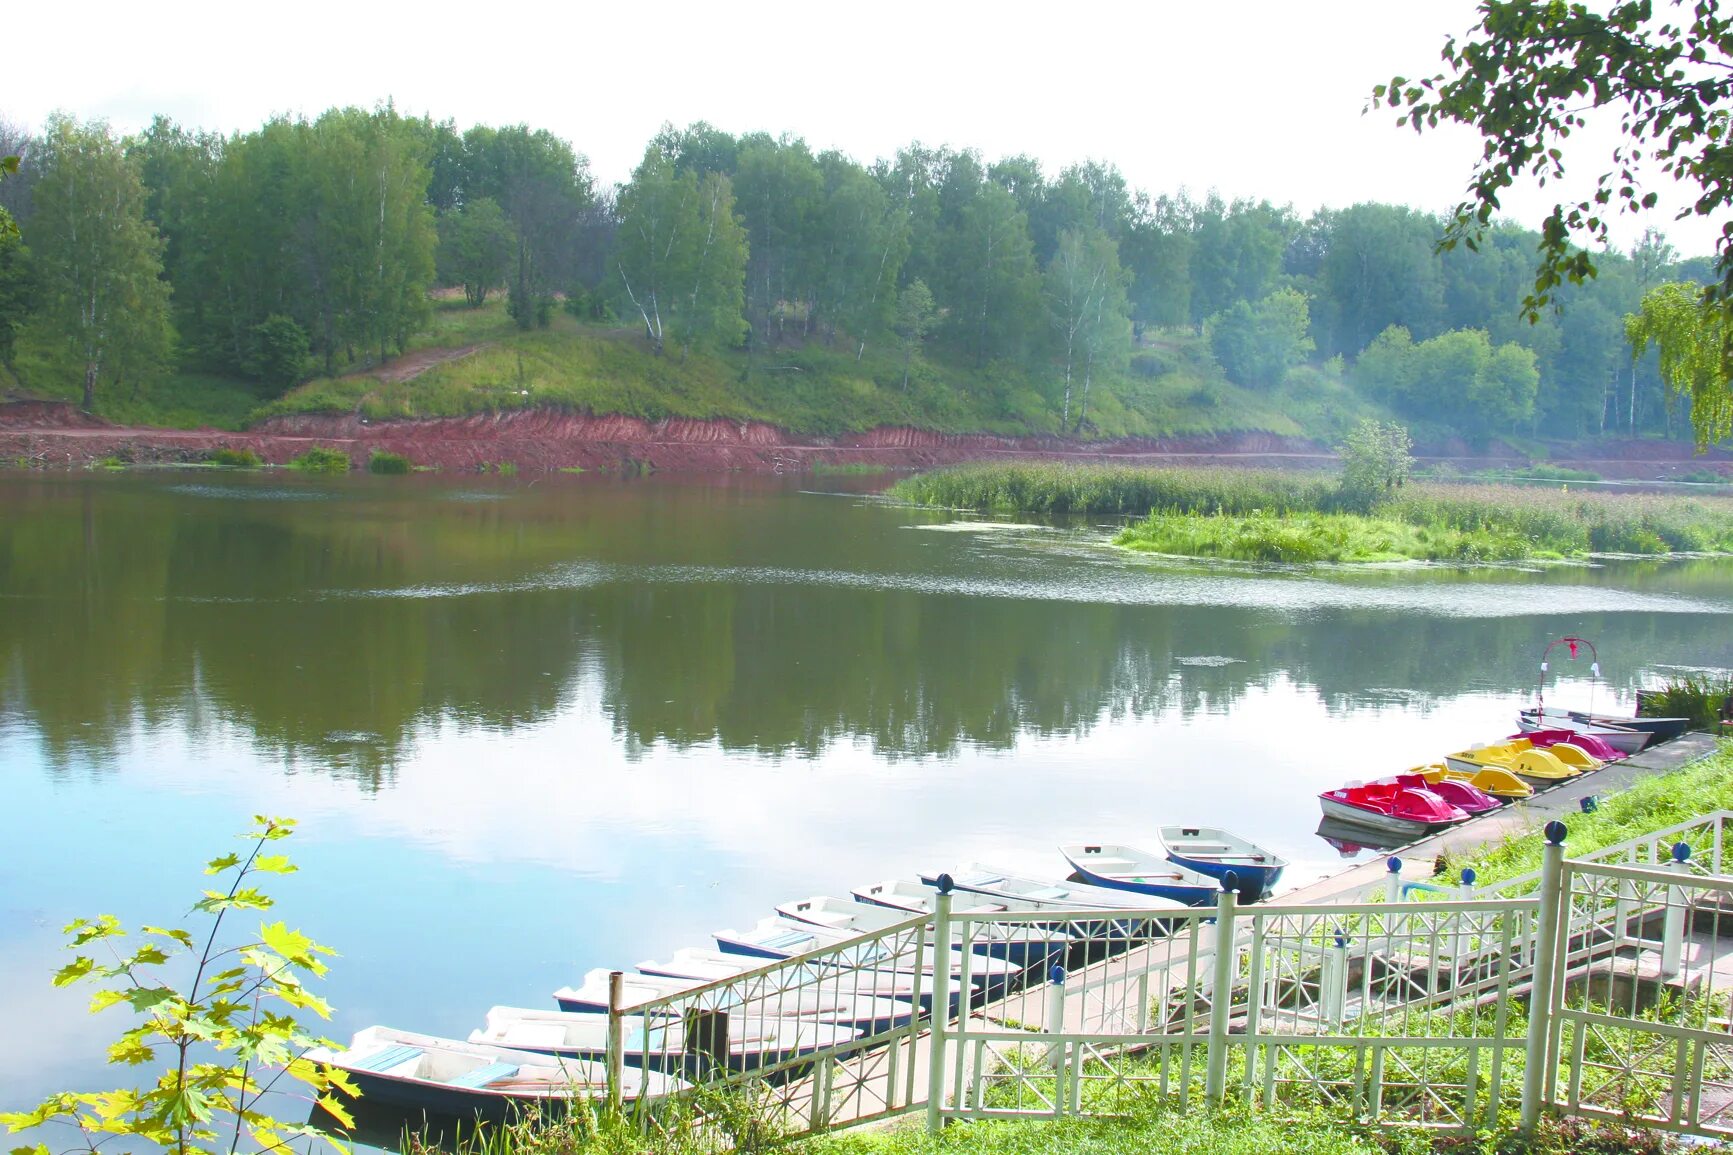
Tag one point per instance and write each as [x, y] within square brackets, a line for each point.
[1536, 767]
[1565, 752]
[1493, 780]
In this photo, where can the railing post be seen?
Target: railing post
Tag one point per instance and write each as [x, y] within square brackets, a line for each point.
[1673, 921]
[1333, 980]
[1537, 1074]
[1056, 1026]
[1393, 879]
[1466, 891]
[615, 1053]
[1221, 994]
[939, 1018]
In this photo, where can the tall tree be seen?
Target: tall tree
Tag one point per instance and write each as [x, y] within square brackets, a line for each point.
[994, 286]
[681, 260]
[1085, 291]
[1690, 336]
[477, 245]
[105, 305]
[1258, 343]
[1532, 72]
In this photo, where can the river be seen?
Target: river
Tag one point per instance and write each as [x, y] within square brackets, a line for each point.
[531, 727]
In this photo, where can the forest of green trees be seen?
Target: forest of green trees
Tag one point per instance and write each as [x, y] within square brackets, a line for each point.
[309, 247]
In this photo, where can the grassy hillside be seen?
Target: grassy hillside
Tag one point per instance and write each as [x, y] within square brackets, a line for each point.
[1172, 389]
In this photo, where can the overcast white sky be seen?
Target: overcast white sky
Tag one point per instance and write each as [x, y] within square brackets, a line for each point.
[1258, 98]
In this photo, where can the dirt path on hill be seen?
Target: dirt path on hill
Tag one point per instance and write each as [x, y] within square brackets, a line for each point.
[43, 434]
[411, 365]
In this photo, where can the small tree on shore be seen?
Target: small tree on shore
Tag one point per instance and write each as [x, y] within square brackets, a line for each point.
[229, 1036]
[1375, 461]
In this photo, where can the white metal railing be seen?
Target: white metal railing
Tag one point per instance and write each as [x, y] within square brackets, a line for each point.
[1600, 989]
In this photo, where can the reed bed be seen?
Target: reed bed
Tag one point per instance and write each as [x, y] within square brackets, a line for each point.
[1269, 516]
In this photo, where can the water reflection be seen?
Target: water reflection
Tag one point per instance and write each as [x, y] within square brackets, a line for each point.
[332, 631]
[536, 727]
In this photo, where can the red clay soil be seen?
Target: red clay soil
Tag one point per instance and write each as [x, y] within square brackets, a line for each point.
[42, 433]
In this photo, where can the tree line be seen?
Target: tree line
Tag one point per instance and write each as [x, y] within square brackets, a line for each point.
[309, 246]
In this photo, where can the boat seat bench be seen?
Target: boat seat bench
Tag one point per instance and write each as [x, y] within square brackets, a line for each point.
[482, 1076]
[383, 1060]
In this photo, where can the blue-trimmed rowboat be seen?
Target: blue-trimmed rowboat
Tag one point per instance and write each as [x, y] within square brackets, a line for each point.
[1093, 937]
[425, 1073]
[1213, 851]
[1140, 872]
[777, 938]
[814, 1002]
[661, 1043]
[885, 904]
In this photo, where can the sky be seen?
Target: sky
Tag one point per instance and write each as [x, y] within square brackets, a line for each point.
[1254, 98]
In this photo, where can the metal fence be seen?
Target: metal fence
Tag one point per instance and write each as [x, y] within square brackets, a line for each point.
[1404, 1013]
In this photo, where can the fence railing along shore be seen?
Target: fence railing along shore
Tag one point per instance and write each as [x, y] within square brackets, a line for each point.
[1599, 986]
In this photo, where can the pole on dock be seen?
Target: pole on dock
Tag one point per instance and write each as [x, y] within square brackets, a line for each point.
[939, 1017]
[616, 1042]
[1673, 922]
[1221, 993]
[1393, 879]
[1537, 1073]
[1334, 980]
[1056, 1027]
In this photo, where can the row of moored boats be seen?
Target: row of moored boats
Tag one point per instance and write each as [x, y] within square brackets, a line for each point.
[550, 1056]
[1550, 747]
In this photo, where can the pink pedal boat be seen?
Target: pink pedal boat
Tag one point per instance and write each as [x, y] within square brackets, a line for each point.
[1391, 808]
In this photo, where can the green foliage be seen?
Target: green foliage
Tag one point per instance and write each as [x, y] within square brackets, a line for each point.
[235, 458]
[1459, 378]
[18, 295]
[1484, 522]
[379, 461]
[103, 309]
[1692, 334]
[682, 255]
[228, 1036]
[1375, 462]
[280, 351]
[1040, 487]
[321, 460]
[1699, 697]
[1154, 1129]
[1524, 76]
[1545, 473]
[476, 247]
[1316, 537]
[1257, 344]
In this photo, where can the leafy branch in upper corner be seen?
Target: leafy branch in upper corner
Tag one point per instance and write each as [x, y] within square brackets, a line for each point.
[229, 1037]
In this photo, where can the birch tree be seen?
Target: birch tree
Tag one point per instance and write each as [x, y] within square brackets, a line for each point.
[104, 304]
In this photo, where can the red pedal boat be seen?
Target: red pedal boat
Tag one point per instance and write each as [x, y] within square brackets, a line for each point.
[1390, 808]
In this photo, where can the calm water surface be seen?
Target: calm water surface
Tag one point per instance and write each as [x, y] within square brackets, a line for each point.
[531, 728]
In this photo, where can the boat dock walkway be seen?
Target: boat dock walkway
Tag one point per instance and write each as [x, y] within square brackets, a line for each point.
[1089, 1006]
[1559, 802]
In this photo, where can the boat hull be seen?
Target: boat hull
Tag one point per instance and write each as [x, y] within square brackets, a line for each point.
[1252, 879]
[1625, 741]
[1407, 829]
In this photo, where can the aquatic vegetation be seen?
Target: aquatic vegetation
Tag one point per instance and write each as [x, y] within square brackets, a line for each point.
[382, 462]
[1699, 697]
[1270, 516]
[321, 460]
[235, 458]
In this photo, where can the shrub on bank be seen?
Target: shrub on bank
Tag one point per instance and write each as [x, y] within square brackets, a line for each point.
[321, 460]
[235, 458]
[391, 463]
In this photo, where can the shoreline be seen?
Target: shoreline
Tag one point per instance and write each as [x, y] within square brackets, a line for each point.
[41, 435]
